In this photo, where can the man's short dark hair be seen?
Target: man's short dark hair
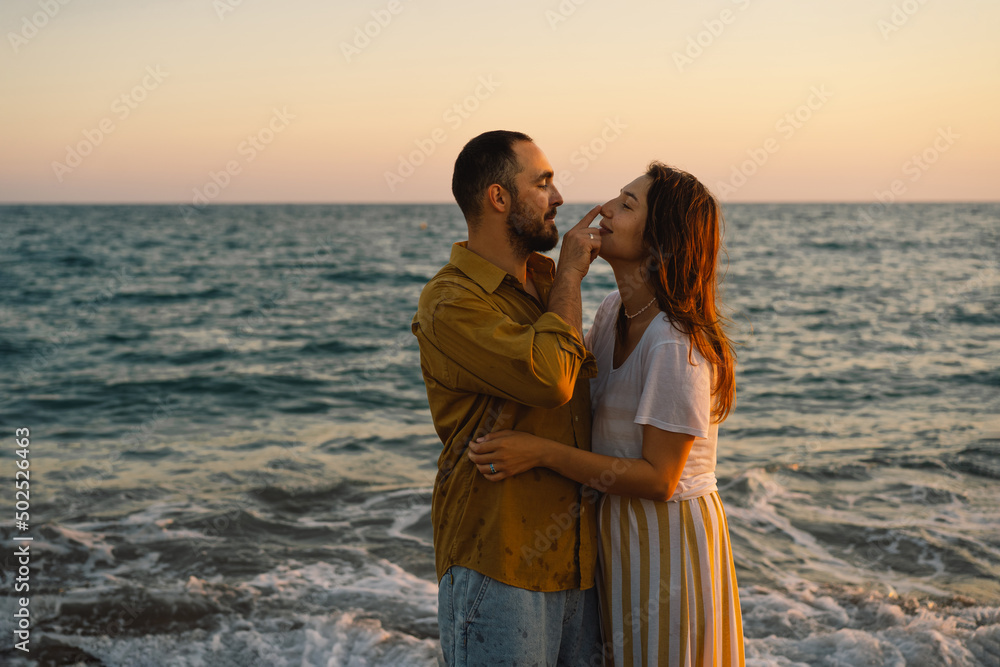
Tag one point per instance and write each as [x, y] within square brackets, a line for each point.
[485, 160]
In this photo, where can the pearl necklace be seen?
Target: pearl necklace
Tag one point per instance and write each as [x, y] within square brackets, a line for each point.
[627, 316]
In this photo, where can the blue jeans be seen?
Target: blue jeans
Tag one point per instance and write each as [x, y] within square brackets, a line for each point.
[485, 623]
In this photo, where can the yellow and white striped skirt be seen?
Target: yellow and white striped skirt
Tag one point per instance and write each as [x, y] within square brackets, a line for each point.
[668, 584]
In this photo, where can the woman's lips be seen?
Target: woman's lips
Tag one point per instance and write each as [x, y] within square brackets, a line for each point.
[605, 230]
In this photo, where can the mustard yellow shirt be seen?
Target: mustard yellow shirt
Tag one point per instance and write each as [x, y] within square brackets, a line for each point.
[493, 358]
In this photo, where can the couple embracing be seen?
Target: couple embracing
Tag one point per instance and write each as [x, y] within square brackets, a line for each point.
[575, 510]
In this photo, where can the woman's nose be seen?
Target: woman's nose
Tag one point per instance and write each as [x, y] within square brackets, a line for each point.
[606, 209]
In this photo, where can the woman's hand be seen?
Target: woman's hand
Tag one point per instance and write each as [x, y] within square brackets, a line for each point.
[510, 452]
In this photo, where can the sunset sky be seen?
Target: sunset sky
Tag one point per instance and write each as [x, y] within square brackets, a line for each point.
[266, 101]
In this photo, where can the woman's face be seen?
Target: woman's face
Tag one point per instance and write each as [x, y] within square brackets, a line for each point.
[624, 219]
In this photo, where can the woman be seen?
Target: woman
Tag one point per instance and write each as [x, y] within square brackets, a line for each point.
[665, 382]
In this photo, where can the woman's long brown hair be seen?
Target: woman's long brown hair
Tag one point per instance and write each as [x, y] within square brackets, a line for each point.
[683, 236]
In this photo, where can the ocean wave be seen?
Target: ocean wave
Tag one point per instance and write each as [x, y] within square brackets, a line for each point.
[840, 627]
[168, 297]
[294, 614]
[296, 455]
[982, 459]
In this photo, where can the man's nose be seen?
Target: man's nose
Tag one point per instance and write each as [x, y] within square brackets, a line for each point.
[557, 199]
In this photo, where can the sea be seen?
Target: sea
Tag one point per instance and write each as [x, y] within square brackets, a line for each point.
[231, 455]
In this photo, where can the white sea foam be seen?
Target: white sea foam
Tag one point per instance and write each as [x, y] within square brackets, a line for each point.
[844, 628]
[341, 626]
[378, 578]
[790, 541]
[339, 639]
[809, 626]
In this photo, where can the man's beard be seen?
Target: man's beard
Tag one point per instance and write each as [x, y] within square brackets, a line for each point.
[528, 234]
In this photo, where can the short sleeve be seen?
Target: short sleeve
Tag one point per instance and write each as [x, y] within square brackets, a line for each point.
[676, 395]
[604, 311]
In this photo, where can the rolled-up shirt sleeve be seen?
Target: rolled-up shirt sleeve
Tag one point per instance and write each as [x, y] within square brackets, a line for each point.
[535, 364]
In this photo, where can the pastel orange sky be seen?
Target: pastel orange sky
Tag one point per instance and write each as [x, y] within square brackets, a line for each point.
[266, 101]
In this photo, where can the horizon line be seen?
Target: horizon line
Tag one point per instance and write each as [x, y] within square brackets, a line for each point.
[452, 203]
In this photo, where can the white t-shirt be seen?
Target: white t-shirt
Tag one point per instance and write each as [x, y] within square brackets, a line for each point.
[656, 385]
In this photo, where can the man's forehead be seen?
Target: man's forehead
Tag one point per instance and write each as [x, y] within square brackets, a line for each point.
[534, 164]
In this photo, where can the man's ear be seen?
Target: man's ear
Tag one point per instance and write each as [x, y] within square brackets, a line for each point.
[498, 198]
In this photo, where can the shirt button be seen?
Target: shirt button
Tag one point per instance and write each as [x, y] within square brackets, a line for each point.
[576, 418]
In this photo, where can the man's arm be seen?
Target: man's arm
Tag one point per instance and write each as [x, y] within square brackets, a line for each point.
[579, 249]
[489, 353]
[534, 364]
[655, 475]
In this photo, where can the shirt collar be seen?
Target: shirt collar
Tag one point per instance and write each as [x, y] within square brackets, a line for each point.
[488, 275]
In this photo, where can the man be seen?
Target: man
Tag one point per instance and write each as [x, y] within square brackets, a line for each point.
[501, 347]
